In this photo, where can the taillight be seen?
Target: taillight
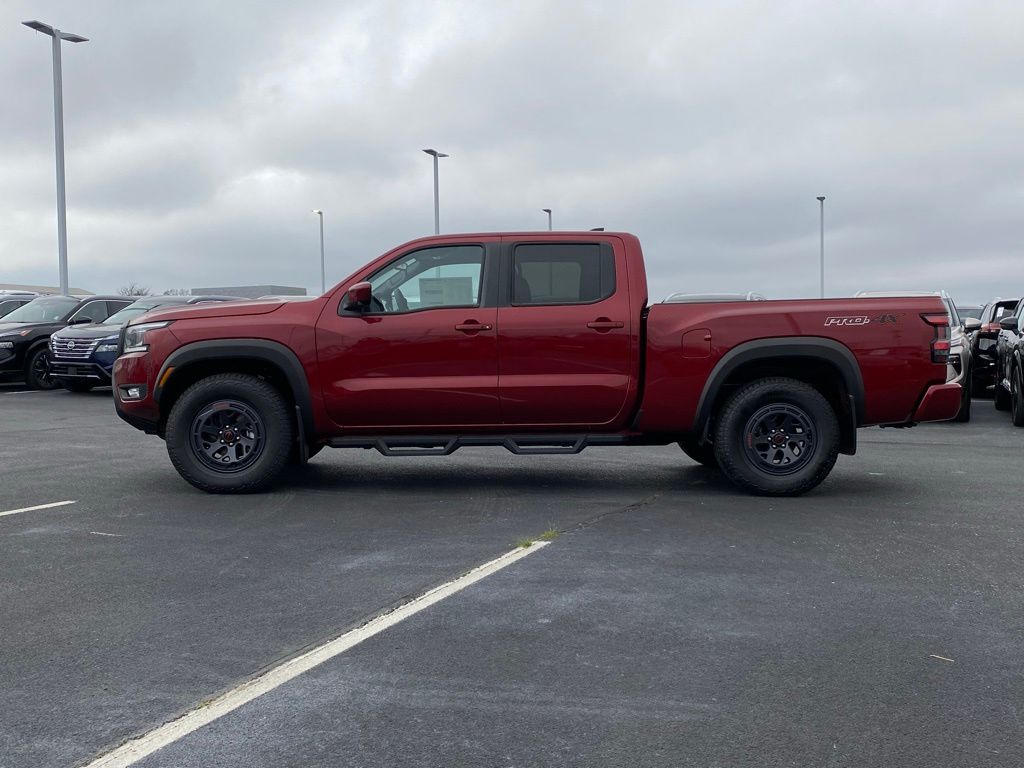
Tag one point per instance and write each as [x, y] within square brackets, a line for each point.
[941, 342]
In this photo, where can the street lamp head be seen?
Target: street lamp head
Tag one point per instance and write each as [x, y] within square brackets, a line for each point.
[435, 153]
[318, 211]
[546, 210]
[38, 26]
[821, 199]
[46, 29]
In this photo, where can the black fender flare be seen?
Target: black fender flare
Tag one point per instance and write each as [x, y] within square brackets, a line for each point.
[816, 347]
[264, 350]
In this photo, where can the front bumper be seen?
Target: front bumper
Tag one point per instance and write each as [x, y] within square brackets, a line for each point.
[135, 370]
[79, 371]
[941, 402]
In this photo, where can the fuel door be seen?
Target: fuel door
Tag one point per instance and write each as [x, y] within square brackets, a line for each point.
[697, 343]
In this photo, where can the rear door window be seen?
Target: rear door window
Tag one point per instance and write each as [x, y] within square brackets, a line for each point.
[562, 273]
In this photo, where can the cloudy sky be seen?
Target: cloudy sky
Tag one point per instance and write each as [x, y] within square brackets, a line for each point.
[200, 135]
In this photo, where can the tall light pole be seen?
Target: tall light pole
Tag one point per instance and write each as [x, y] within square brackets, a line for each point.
[323, 269]
[821, 201]
[548, 212]
[58, 138]
[437, 205]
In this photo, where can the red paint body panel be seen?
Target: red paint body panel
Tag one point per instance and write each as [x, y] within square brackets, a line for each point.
[556, 371]
[547, 368]
[894, 357]
[938, 402]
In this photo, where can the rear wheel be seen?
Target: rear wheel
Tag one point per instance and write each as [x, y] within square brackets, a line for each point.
[964, 414]
[777, 437]
[77, 386]
[37, 370]
[230, 433]
[1016, 398]
[702, 454]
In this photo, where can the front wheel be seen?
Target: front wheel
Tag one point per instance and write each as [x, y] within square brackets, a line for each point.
[37, 370]
[230, 433]
[777, 437]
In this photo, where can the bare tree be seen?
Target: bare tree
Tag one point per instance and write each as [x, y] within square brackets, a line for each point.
[177, 292]
[133, 289]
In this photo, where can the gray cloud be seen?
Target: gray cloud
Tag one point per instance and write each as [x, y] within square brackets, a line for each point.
[199, 136]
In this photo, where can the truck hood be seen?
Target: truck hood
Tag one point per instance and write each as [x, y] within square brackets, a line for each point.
[213, 309]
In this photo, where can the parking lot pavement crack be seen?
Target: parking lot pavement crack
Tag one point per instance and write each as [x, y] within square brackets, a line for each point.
[634, 507]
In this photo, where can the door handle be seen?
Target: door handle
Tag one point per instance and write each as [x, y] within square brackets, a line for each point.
[472, 326]
[604, 324]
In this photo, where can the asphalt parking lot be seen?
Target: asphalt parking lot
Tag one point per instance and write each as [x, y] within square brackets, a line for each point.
[673, 622]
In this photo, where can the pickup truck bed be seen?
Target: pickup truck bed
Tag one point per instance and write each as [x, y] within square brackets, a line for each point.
[538, 342]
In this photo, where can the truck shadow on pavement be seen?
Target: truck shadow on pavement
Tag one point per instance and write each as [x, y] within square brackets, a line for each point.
[532, 480]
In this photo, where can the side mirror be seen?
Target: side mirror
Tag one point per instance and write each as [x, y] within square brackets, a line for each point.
[359, 296]
[972, 324]
[1008, 323]
[81, 321]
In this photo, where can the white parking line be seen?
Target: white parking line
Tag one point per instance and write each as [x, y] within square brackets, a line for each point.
[132, 751]
[38, 506]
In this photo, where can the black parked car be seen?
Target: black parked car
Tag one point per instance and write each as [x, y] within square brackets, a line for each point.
[82, 356]
[25, 333]
[983, 342]
[1009, 389]
[11, 300]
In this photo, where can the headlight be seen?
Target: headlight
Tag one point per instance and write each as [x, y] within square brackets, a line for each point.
[135, 336]
[107, 347]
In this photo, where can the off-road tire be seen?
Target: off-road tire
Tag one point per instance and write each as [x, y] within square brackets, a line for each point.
[77, 386]
[964, 414]
[732, 438]
[702, 454]
[275, 421]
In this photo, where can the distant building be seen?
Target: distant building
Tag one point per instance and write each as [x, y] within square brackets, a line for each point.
[250, 291]
[44, 289]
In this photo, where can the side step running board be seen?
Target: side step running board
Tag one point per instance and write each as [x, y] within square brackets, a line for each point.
[443, 445]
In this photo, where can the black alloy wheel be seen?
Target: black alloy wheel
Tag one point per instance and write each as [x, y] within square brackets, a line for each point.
[37, 371]
[779, 439]
[228, 436]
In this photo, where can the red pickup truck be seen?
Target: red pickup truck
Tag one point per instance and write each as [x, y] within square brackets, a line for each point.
[537, 342]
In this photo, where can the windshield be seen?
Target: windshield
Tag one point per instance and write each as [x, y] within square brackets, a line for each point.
[133, 310]
[48, 310]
